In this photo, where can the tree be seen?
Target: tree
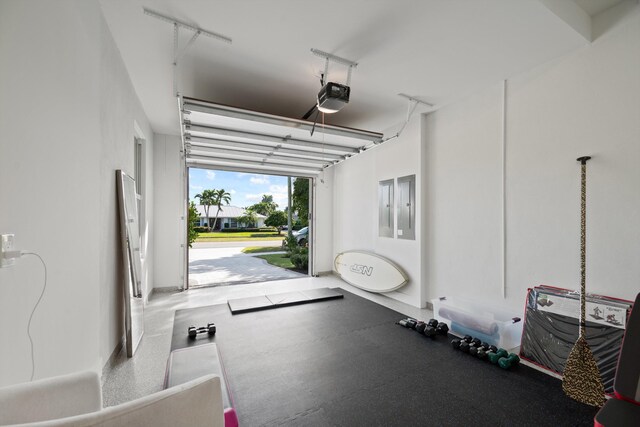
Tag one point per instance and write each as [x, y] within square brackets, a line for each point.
[207, 199]
[266, 206]
[300, 200]
[192, 216]
[220, 197]
[277, 219]
[249, 218]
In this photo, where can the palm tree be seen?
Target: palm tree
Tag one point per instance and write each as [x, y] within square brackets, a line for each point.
[207, 199]
[220, 197]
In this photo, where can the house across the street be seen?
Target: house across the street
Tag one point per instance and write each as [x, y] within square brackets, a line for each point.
[227, 217]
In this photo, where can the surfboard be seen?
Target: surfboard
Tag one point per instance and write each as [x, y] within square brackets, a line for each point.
[369, 271]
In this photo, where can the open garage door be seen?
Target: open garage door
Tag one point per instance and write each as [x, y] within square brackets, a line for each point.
[221, 137]
[247, 141]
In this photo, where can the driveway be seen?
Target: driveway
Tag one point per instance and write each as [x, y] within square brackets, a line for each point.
[218, 264]
[203, 245]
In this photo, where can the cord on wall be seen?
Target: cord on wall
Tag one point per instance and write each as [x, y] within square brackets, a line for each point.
[44, 287]
[16, 255]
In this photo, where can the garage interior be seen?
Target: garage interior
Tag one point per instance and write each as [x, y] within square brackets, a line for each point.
[483, 106]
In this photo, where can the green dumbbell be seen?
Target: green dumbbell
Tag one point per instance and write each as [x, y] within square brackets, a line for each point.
[494, 357]
[508, 362]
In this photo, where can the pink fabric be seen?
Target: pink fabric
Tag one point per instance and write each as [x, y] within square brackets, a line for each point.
[230, 418]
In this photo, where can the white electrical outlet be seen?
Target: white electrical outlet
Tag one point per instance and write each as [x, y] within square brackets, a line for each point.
[7, 245]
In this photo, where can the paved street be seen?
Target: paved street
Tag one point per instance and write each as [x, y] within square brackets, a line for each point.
[217, 264]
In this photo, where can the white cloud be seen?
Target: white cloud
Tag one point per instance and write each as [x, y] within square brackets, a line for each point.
[259, 179]
[278, 189]
[196, 187]
[253, 197]
[241, 174]
[211, 175]
[279, 198]
[232, 191]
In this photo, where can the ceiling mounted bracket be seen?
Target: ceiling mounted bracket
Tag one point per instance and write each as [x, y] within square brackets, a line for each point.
[328, 57]
[177, 51]
[412, 104]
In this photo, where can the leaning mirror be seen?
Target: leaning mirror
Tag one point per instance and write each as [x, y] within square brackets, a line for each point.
[131, 261]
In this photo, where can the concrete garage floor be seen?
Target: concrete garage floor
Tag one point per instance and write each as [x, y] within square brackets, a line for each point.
[218, 264]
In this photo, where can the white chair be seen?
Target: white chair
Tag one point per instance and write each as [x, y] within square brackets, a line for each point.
[76, 400]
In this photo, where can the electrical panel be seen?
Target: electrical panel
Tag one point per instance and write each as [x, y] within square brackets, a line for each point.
[406, 207]
[385, 208]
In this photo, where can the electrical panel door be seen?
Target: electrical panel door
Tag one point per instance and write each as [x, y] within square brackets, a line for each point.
[407, 207]
[385, 208]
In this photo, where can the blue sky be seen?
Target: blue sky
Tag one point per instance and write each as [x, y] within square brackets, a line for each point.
[246, 188]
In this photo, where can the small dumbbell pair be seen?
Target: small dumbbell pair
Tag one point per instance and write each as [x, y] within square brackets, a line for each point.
[432, 328]
[210, 329]
[409, 323]
[481, 351]
[503, 359]
[465, 343]
[429, 329]
[473, 346]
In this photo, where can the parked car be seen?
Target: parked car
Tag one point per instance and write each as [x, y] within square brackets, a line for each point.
[301, 236]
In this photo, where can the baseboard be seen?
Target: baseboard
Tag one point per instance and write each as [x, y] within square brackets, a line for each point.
[165, 290]
[112, 358]
[324, 273]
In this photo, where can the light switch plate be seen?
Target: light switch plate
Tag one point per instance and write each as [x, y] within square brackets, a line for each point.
[7, 245]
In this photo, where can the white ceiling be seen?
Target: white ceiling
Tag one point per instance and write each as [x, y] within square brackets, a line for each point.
[437, 50]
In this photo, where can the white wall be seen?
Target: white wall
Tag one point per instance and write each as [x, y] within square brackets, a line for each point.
[463, 197]
[586, 104]
[355, 206]
[66, 123]
[323, 222]
[169, 228]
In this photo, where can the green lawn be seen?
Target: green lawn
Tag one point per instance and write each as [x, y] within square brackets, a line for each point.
[279, 260]
[217, 236]
[261, 249]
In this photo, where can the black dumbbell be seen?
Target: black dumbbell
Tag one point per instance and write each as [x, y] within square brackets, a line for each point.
[430, 332]
[420, 327]
[455, 343]
[210, 329]
[508, 362]
[442, 329]
[473, 350]
[465, 346]
[433, 323]
[481, 353]
[407, 323]
[476, 342]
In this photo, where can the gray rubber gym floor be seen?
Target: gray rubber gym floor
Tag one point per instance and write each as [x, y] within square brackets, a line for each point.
[346, 363]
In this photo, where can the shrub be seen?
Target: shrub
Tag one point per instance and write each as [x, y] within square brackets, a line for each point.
[193, 220]
[290, 244]
[300, 258]
[199, 229]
